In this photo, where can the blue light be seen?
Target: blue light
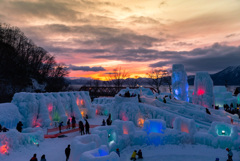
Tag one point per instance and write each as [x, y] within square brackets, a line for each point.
[102, 152]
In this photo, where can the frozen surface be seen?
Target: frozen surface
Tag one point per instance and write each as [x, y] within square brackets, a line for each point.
[9, 115]
[179, 82]
[222, 96]
[203, 90]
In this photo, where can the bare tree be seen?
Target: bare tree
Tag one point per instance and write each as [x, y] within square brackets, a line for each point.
[117, 77]
[156, 78]
[168, 79]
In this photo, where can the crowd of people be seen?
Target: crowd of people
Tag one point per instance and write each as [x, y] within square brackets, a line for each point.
[231, 109]
[83, 129]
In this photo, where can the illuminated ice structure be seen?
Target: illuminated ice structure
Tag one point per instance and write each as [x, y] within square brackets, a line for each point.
[238, 98]
[154, 126]
[179, 82]
[42, 109]
[99, 154]
[9, 115]
[222, 96]
[203, 90]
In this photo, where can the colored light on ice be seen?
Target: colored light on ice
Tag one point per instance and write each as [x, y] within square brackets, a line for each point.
[4, 149]
[102, 152]
[140, 122]
[123, 116]
[184, 128]
[176, 91]
[50, 107]
[83, 113]
[125, 130]
[200, 92]
[223, 132]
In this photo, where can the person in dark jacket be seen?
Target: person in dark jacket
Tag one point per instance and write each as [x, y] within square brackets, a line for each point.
[109, 121]
[103, 122]
[81, 127]
[87, 126]
[73, 122]
[60, 127]
[67, 152]
[140, 154]
[230, 154]
[34, 158]
[68, 124]
[19, 126]
[0, 127]
[43, 158]
[118, 152]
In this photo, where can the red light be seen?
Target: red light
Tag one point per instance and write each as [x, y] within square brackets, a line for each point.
[125, 130]
[50, 107]
[4, 149]
[124, 117]
[200, 92]
[184, 128]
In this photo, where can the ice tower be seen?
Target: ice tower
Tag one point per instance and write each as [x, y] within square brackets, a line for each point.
[203, 90]
[179, 82]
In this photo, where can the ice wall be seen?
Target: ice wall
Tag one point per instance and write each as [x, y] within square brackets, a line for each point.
[203, 90]
[179, 82]
[41, 109]
[9, 115]
[222, 96]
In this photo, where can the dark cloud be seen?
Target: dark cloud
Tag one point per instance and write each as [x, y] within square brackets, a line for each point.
[182, 44]
[86, 68]
[232, 35]
[212, 59]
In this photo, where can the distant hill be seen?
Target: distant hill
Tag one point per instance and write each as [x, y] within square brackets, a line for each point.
[229, 76]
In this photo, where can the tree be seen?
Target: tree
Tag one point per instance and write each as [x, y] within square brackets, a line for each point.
[117, 77]
[132, 82]
[156, 78]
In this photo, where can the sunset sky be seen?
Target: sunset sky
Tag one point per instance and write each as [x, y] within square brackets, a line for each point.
[92, 37]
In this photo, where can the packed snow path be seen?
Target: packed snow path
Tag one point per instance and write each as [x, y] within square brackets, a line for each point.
[178, 153]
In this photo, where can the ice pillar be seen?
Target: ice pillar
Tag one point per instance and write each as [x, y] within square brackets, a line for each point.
[203, 90]
[179, 82]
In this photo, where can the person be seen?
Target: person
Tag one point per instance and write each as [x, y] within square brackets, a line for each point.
[4, 129]
[230, 154]
[67, 152]
[60, 126]
[0, 127]
[73, 122]
[19, 126]
[86, 116]
[140, 154]
[81, 127]
[207, 111]
[127, 94]
[87, 126]
[217, 159]
[68, 124]
[118, 152]
[34, 158]
[109, 121]
[133, 157]
[43, 158]
[103, 122]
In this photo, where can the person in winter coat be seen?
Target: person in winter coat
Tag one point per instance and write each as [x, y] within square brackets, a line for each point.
[118, 152]
[230, 154]
[103, 122]
[67, 152]
[73, 122]
[0, 127]
[19, 126]
[68, 124]
[87, 126]
[43, 158]
[140, 154]
[60, 127]
[109, 121]
[133, 157]
[81, 127]
[34, 158]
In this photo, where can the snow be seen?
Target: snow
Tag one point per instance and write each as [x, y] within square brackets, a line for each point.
[179, 82]
[222, 96]
[175, 130]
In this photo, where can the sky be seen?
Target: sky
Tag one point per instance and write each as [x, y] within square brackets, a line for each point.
[93, 37]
